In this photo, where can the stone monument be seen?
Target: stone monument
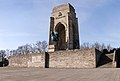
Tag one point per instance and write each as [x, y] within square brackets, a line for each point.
[63, 33]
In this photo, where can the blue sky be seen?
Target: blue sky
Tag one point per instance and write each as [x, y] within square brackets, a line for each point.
[27, 21]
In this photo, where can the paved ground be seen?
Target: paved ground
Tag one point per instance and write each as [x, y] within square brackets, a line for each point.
[39, 74]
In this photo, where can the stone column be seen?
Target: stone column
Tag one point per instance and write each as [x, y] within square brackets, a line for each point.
[51, 47]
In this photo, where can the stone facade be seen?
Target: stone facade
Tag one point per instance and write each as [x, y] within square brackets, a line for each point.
[73, 59]
[86, 58]
[63, 20]
[31, 60]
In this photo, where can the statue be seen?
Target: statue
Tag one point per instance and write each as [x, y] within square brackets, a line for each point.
[54, 36]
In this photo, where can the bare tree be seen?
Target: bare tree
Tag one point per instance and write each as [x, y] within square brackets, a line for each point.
[96, 45]
[26, 49]
[44, 46]
[20, 50]
[103, 47]
[109, 47]
[39, 46]
[85, 45]
[2, 53]
[31, 49]
[7, 53]
[35, 49]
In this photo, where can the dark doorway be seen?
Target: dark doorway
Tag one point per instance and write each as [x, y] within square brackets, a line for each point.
[61, 44]
[46, 60]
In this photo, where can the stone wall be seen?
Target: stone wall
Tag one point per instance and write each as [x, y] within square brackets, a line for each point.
[73, 59]
[87, 58]
[31, 60]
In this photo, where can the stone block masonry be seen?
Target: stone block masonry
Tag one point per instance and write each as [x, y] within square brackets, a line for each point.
[30, 60]
[73, 59]
[86, 58]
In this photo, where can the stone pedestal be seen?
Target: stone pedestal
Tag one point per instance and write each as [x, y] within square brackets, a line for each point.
[51, 48]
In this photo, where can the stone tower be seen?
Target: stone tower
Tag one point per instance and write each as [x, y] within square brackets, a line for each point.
[63, 34]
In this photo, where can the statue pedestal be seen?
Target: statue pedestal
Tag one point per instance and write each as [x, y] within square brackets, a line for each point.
[51, 48]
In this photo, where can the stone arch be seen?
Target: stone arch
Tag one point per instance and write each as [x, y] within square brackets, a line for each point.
[59, 23]
[61, 44]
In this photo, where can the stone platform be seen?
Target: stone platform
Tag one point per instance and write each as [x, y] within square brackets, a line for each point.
[86, 58]
[39, 74]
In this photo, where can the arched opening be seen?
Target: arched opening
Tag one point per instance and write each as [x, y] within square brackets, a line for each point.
[61, 44]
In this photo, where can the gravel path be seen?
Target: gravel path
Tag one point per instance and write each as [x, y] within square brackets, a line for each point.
[42, 74]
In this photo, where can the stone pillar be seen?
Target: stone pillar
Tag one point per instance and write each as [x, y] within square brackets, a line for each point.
[114, 61]
[51, 45]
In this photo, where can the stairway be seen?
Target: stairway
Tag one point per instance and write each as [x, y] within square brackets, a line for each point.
[106, 61]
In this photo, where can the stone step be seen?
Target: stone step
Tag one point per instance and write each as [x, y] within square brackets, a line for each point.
[108, 65]
[106, 61]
